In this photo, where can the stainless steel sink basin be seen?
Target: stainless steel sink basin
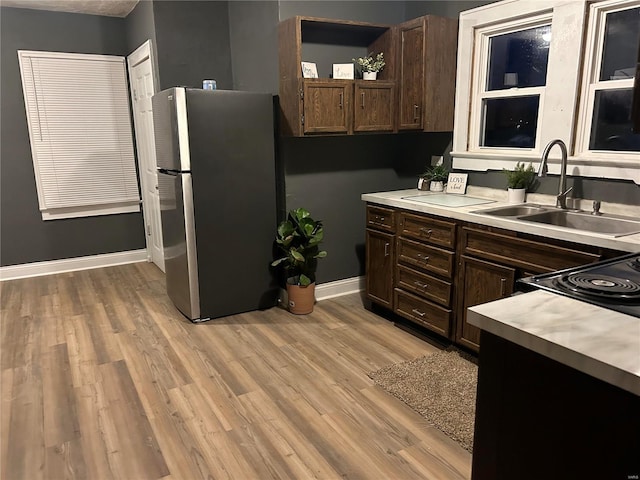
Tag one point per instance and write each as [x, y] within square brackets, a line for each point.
[512, 210]
[613, 225]
[584, 221]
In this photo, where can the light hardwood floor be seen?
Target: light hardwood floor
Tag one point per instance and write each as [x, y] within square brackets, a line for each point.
[103, 378]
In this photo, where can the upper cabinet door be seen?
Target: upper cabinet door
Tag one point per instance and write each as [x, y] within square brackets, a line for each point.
[373, 109]
[411, 84]
[327, 106]
[427, 71]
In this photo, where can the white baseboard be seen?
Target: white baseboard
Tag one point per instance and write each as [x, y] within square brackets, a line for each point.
[338, 288]
[37, 269]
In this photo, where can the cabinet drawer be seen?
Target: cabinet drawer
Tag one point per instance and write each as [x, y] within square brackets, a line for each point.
[425, 257]
[423, 312]
[426, 229]
[381, 218]
[423, 285]
[530, 255]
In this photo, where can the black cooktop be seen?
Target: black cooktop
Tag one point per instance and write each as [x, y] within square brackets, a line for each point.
[612, 284]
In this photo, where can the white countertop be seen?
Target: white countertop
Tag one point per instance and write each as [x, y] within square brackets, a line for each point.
[594, 340]
[628, 243]
[597, 341]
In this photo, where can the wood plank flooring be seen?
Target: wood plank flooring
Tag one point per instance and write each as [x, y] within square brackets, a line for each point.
[102, 378]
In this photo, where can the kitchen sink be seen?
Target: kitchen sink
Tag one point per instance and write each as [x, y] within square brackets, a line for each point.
[512, 210]
[613, 225]
[585, 221]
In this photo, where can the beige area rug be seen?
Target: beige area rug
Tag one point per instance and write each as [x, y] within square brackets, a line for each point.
[441, 387]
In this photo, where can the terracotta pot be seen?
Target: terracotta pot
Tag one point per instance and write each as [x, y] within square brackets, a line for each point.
[301, 299]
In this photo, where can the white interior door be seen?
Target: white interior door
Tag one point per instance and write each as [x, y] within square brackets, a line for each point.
[142, 89]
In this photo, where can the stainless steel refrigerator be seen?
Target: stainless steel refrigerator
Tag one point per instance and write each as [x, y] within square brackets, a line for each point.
[217, 188]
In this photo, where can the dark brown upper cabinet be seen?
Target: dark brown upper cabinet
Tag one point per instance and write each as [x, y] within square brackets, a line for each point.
[333, 106]
[426, 73]
[414, 91]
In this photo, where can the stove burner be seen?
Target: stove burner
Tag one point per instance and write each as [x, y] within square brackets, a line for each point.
[601, 285]
[635, 264]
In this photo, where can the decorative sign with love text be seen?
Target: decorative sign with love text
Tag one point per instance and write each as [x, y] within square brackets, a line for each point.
[457, 183]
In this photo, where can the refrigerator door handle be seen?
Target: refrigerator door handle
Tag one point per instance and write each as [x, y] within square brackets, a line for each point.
[192, 254]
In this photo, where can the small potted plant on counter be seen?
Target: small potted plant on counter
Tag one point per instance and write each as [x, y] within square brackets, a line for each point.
[298, 238]
[437, 175]
[370, 66]
[519, 180]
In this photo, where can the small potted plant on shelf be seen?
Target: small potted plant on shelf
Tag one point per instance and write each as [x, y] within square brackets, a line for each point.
[298, 238]
[437, 175]
[519, 180]
[370, 66]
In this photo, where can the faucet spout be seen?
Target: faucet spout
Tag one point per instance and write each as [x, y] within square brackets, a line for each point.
[561, 198]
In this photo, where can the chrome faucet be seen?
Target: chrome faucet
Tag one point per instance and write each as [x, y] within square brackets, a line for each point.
[563, 191]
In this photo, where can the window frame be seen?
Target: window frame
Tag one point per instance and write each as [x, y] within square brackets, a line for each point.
[591, 84]
[558, 114]
[480, 93]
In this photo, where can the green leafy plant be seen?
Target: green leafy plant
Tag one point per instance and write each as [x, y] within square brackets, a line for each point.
[369, 64]
[521, 177]
[436, 173]
[298, 238]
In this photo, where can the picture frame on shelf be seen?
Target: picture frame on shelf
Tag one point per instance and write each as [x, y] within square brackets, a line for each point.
[309, 70]
[343, 71]
[457, 183]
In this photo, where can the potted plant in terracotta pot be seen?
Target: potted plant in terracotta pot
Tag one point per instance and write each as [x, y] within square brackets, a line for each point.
[298, 239]
[370, 66]
[519, 180]
[437, 175]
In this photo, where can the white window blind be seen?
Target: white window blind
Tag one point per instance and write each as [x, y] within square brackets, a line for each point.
[80, 130]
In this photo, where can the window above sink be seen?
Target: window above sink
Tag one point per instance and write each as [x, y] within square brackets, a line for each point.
[531, 72]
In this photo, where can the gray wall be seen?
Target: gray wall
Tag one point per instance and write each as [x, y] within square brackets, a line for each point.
[25, 236]
[228, 41]
[192, 43]
[253, 29]
[327, 175]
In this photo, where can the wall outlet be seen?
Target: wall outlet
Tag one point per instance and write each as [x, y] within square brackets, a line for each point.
[437, 160]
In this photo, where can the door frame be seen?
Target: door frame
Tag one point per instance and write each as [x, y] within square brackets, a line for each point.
[139, 55]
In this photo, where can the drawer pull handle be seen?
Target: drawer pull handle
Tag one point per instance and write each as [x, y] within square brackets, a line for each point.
[341, 100]
[503, 287]
[421, 285]
[418, 312]
[380, 219]
[362, 96]
[425, 231]
[423, 258]
[386, 249]
[415, 112]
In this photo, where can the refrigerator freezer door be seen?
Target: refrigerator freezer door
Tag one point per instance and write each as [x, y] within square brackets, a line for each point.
[171, 130]
[178, 233]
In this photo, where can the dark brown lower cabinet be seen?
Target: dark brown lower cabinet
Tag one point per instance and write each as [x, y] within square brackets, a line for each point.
[380, 263]
[479, 282]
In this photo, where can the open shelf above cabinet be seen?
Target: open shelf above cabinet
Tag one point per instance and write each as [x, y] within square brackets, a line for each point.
[324, 105]
[414, 91]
